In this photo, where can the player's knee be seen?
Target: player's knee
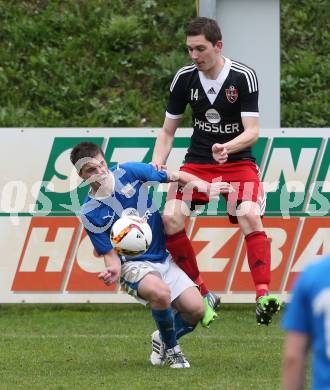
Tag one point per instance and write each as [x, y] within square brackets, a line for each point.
[194, 314]
[254, 223]
[248, 215]
[172, 224]
[249, 210]
[198, 313]
[174, 216]
[161, 297]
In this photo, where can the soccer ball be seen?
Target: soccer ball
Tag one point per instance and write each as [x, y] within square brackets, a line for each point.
[130, 236]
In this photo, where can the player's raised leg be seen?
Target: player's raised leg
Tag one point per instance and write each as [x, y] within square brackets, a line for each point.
[179, 245]
[259, 259]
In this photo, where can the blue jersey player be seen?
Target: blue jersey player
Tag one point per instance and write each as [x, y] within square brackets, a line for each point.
[153, 277]
[307, 321]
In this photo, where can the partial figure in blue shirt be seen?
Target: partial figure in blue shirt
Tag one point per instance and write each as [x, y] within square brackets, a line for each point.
[176, 304]
[307, 321]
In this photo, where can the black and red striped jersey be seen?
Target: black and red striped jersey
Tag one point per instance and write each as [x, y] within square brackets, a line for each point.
[217, 107]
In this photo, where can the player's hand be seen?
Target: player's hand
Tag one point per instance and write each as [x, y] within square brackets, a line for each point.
[159, 167]
[219, 187]
[110, 275]
[219, 153]
[173, 175]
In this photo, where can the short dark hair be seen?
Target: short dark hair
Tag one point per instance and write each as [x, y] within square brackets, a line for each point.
[204, 26]
[85, 149]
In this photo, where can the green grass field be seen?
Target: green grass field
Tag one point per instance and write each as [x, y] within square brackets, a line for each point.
[89, 346]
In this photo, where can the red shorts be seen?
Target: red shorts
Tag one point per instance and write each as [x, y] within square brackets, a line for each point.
[244, 176]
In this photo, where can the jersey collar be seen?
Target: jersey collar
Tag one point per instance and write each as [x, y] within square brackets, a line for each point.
[217, 84]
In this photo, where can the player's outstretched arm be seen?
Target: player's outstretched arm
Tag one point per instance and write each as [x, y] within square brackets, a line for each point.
[214, 189]
[164, 142]
[113, 268]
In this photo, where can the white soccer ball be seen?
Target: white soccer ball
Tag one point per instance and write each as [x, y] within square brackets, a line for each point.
[130, 236]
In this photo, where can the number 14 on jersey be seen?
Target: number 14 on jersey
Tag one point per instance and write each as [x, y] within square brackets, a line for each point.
[193, 94]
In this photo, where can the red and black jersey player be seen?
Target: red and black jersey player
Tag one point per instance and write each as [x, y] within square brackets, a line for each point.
[223, 95]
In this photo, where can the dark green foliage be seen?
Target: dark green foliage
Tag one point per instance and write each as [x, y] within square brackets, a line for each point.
[97, 63]
[89, 62]
[305, 63]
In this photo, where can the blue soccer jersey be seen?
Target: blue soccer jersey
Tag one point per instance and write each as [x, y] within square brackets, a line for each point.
[309, 313]
[130, 197]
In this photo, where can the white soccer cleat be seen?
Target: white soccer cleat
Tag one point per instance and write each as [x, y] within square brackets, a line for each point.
[175, 358]
[157, 356]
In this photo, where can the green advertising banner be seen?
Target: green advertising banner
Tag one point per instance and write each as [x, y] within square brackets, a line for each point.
[48, 257]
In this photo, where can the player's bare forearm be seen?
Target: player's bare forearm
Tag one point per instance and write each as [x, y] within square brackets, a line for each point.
[185, 178]
[112, 268]
[295, 352]
[162, 148]
[164, 141]
[294, 374]
[248, 138]
[213, 189]
[111, 259]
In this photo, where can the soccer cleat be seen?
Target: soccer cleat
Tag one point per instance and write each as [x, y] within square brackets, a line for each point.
[175, 358]
[266, 307]
[157, 356]
[209, 314]
[213, 300]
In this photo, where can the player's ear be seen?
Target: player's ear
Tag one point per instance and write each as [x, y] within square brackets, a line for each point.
[218, 45]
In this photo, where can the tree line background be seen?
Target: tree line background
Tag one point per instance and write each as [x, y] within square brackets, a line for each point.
[98, 63]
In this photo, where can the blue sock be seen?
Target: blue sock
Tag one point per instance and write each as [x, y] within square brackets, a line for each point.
[165, 323]
[182, 327]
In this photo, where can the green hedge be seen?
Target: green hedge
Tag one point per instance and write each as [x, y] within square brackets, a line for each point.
[305, 63]
[97, 63]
